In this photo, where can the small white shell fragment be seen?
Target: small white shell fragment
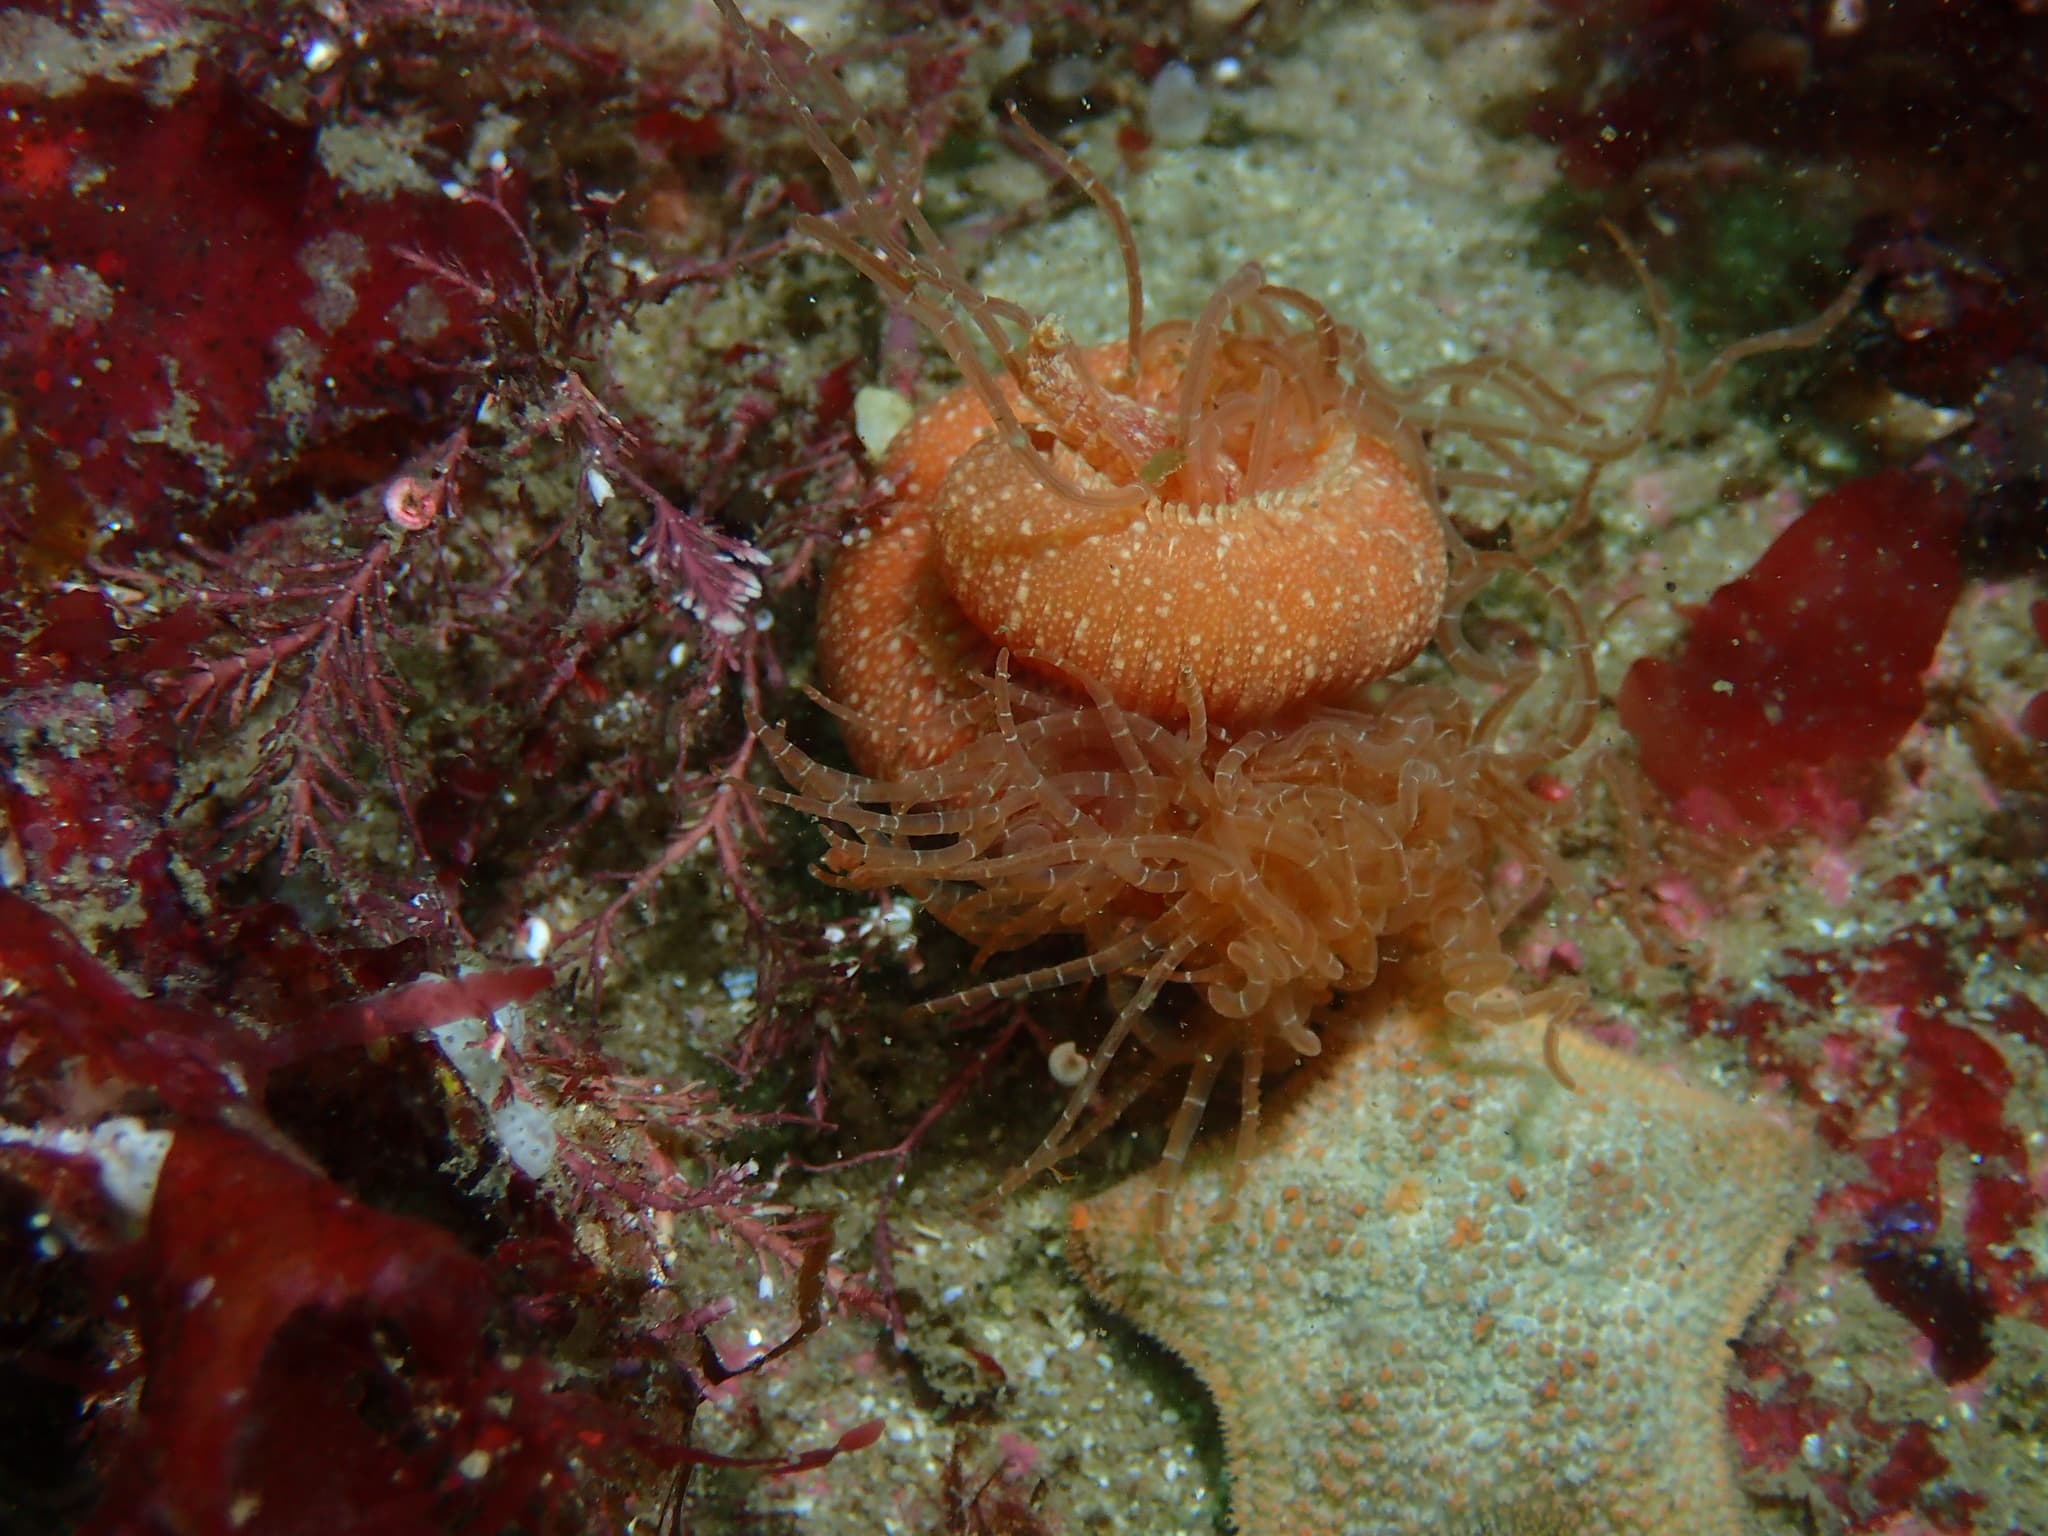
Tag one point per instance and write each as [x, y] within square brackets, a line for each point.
[1067, 1064]
[536, 938]
[1222, 13]
[130, 1154]
[878, 415]
[1178, 107]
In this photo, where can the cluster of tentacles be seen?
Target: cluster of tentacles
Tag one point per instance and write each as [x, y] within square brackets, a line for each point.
[1228, 886]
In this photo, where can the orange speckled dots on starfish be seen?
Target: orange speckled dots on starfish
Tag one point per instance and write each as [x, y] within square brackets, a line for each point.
[1287, 596]
[1451, 1294]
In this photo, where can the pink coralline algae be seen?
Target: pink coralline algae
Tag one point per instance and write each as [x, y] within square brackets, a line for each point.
[1801, 674]
[1928, 1216]
[197, 302]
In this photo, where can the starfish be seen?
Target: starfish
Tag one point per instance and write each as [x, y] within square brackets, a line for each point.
[1452, 1294]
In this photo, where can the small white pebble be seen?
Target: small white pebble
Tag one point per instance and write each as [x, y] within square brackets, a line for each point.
[1015, 52]
[1178, 107]
[1069, 79]
[130, 1154]
[1067, 1064]
[878, 415]
[536, 938]
[527, 1134]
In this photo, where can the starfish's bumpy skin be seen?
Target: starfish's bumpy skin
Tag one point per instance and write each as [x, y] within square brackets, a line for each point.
[1453, 1290]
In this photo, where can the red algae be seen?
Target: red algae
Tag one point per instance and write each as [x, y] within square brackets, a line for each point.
[240, 1414]
[315, 440]
[186, 271]
[1917, 1083]
[1805, 669]
[240, 1238]
[301, 1354]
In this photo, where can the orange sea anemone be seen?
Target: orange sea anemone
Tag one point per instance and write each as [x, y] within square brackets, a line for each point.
[1202, 544]
[1201, 515]
[1241, 500]
[1259, 872]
